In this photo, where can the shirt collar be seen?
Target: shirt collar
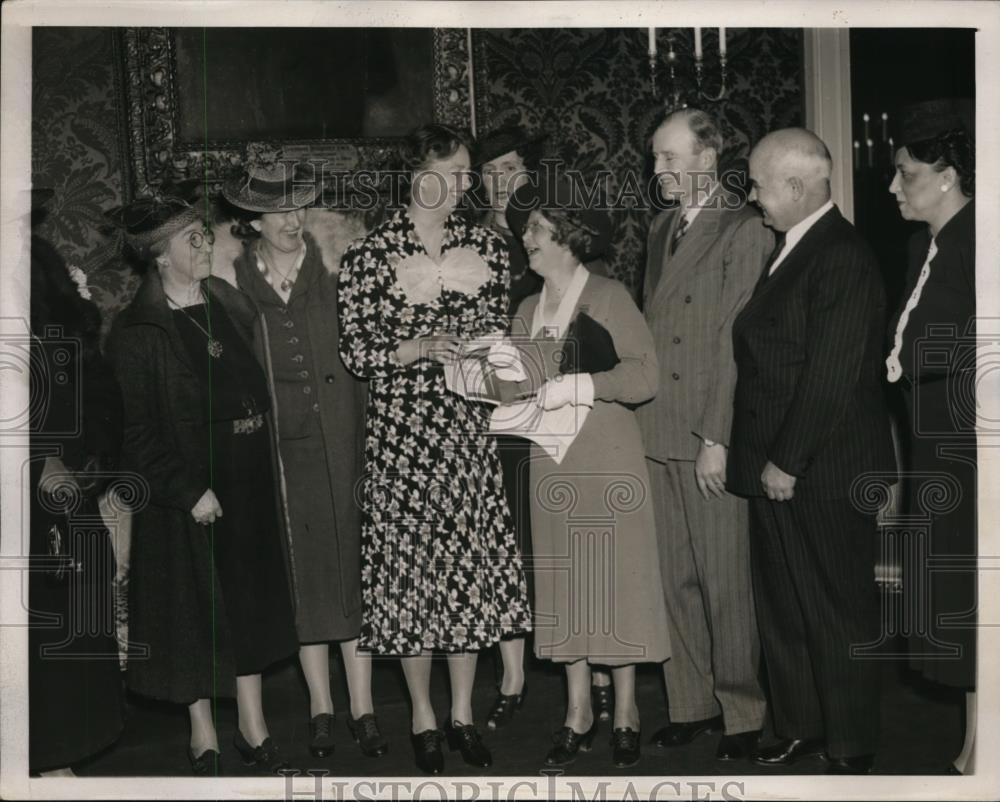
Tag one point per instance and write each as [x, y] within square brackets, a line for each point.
[798, 231]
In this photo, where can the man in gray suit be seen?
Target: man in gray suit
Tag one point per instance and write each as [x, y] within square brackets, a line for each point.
[703, 258]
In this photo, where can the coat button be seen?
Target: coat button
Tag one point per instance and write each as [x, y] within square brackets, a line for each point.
[676, 376]
[687, 299]
[289, 324]
[298, 358]
[329, 378]
[307, 389]
[303, 374]
[293, 340]
[677, 340]
[315, 407]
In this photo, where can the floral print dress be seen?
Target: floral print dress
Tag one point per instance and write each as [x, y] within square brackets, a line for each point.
[440, 564]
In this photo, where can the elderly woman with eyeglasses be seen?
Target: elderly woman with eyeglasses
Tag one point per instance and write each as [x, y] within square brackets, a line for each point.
[210, 601]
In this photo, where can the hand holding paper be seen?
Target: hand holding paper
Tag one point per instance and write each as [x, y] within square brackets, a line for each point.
[571, 388]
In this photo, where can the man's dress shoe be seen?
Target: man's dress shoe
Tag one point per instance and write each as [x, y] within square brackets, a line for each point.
[857, 764]
[737, 745]
[788, 751]
[684, 732]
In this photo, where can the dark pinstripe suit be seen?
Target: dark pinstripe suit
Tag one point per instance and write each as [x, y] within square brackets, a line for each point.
[808, 347]
[691, 299]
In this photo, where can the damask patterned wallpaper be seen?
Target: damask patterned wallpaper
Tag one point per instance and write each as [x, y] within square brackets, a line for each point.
[590, 90]
[76, 152]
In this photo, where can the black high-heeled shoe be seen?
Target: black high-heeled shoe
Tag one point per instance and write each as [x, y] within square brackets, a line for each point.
[266, 758]
[602, 698]
[568, 743]
[207, 764]
[504, 708]
[625, 747]
[427, 750]
[466, 739]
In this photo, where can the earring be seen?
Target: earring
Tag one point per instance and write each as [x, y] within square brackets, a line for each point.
[944, 188]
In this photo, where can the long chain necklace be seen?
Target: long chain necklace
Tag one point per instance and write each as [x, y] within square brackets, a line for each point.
[287, 279]
[214, 347]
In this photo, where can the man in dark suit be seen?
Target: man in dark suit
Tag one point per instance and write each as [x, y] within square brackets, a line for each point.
[809, 422]
[703, 259]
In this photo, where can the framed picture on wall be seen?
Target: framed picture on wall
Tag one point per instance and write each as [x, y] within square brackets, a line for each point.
[198, 98]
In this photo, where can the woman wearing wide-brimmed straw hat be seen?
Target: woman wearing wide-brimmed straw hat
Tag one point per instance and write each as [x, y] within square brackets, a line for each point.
[209, 590]
[320, 416]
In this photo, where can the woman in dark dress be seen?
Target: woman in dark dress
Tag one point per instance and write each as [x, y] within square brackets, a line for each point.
[75, 684]
[933, 359]
[320, 422]
[209, 599]
[441, 568]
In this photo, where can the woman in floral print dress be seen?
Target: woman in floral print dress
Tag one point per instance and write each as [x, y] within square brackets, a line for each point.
[441, 569]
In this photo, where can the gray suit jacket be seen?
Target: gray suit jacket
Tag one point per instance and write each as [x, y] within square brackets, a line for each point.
[690, 300]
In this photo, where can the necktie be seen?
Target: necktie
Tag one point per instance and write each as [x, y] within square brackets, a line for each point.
[778, 247]
[892, 363]
[680, 231]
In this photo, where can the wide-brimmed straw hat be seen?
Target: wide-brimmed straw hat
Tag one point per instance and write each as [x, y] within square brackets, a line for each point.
[278, 187]
[558, 194]
[929, 119]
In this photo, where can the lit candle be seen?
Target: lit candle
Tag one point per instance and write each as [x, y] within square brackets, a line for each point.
[857, 155]
[871, 154]
[722, 41]
[866, 118]
[652, 42]
[885, 126]
[697, 43]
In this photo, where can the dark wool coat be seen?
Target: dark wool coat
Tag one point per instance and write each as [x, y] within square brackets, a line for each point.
[173, 586]
[341, 398]
[939, 389]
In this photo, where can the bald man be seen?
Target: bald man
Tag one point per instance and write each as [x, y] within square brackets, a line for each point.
[809, 422]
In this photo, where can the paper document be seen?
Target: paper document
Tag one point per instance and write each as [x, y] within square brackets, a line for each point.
[553, 430]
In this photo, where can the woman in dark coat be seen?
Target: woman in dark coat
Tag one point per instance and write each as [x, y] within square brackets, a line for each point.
[933, 358]
[209, 600]
[75, 683]
[320, 422]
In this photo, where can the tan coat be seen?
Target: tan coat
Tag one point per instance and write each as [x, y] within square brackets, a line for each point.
[598, 592]
[690, 300]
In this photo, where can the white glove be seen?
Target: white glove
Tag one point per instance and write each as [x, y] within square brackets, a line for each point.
[570, 388]
[505, 360]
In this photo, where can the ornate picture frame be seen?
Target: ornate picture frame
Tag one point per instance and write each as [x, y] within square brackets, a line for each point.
[156, 154]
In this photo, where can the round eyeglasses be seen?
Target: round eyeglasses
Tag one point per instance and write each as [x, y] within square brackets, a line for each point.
[198, 238]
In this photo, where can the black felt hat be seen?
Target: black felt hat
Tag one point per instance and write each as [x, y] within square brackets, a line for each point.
[931, 118]
[504, 140]
[557, 193]
[150, 219]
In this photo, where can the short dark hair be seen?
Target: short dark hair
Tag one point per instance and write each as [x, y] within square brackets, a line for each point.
[569, 229]
[431, 142]
[950, 149]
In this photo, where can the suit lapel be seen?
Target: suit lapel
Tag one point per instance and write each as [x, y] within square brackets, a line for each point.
[656, 253]
[690, 250]
[793, 264]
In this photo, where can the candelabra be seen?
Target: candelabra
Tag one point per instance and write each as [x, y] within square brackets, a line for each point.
[676, 92]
